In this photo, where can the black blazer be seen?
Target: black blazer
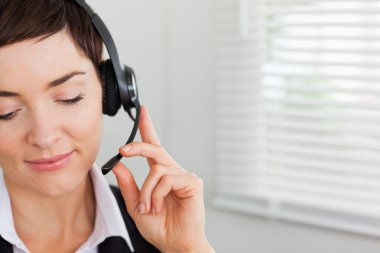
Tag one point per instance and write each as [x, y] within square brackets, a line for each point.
[113, 244]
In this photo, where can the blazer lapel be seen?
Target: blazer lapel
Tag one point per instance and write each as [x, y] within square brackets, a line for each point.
[5, 246]
[114, 244]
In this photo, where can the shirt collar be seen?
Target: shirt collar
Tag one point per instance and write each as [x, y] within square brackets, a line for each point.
[7, 229]
[108, 219]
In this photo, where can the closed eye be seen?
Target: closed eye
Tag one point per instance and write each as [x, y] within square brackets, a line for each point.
[8, 116]
[72, 101]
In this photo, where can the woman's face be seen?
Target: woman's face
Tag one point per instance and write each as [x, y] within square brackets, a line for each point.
[50, 105]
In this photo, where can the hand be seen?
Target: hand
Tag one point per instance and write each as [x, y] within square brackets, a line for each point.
[169, 208]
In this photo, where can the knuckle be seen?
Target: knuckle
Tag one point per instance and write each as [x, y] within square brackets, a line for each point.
[201, 183]
[191, 174]
[159, 149]
[156, 195]
[159, 170]
[157, 146]
[135, 144]
[198, 180]
[195, 177]
[166, 179]
[156, 168]
[145, 193]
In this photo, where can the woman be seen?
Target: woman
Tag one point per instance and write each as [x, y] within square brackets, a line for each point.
[52, 196]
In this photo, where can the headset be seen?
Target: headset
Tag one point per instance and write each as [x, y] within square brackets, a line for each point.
[118, 82]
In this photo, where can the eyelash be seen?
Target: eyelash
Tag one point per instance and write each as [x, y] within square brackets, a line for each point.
[8, 116]
[72, 101]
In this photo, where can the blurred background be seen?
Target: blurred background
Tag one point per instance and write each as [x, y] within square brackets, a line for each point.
[273, 103]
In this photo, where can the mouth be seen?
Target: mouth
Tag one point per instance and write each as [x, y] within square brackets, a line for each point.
[51, 163]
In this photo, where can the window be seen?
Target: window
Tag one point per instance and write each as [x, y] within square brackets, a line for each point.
[298, 111]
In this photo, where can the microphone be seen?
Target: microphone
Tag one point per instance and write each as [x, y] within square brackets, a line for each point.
[107, 167]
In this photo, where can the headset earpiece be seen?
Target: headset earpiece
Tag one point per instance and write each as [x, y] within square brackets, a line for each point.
[116, 94]
[132, 92]
[111, 96]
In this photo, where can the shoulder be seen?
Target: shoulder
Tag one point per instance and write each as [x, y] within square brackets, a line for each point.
[138, 241]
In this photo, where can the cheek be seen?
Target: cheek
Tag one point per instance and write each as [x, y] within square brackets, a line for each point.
[9, 151]
[11, 155]
[88, 127]
[84, 124]
[11, 145]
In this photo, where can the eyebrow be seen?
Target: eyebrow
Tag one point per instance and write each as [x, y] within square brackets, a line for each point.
[65, 78]
[52, 84]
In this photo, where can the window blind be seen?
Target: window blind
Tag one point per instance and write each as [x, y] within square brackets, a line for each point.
[298, 111]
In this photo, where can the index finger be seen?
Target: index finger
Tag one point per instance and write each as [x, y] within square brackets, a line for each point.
[148, 134]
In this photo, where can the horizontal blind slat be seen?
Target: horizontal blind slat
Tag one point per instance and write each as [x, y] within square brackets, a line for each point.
[298, 109]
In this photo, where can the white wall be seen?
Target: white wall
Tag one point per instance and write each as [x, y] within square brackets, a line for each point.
[171, 46]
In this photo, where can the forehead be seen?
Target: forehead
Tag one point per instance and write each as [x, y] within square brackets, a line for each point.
[39, 60]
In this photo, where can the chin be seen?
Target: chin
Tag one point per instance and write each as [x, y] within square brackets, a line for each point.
[62, 184]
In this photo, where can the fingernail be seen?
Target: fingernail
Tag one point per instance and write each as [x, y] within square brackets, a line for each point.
[142, 208]
[127, 148]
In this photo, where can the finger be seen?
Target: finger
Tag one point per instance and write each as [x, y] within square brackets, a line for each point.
[150, 184]
[156, 153]
[148, 134]
[128, 188]
[182, 186]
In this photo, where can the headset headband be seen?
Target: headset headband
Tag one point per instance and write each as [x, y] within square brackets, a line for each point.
[111, 48]
[127, 91]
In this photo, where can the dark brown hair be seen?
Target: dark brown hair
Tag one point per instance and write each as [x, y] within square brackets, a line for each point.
[29, 19]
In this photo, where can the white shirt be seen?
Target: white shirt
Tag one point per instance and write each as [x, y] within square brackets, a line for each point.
[108, 219]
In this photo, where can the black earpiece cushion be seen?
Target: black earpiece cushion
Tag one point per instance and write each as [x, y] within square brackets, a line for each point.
[111, 96]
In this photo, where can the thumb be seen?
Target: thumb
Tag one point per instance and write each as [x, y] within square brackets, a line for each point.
[128, 188]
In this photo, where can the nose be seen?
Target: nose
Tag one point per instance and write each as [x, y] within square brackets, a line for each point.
[45, 129]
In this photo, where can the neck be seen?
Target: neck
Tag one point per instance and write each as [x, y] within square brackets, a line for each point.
[53, 218]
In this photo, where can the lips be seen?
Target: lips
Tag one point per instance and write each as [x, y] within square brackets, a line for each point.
[51, 163]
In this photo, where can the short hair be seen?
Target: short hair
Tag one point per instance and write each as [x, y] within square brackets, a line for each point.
[29, 19]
